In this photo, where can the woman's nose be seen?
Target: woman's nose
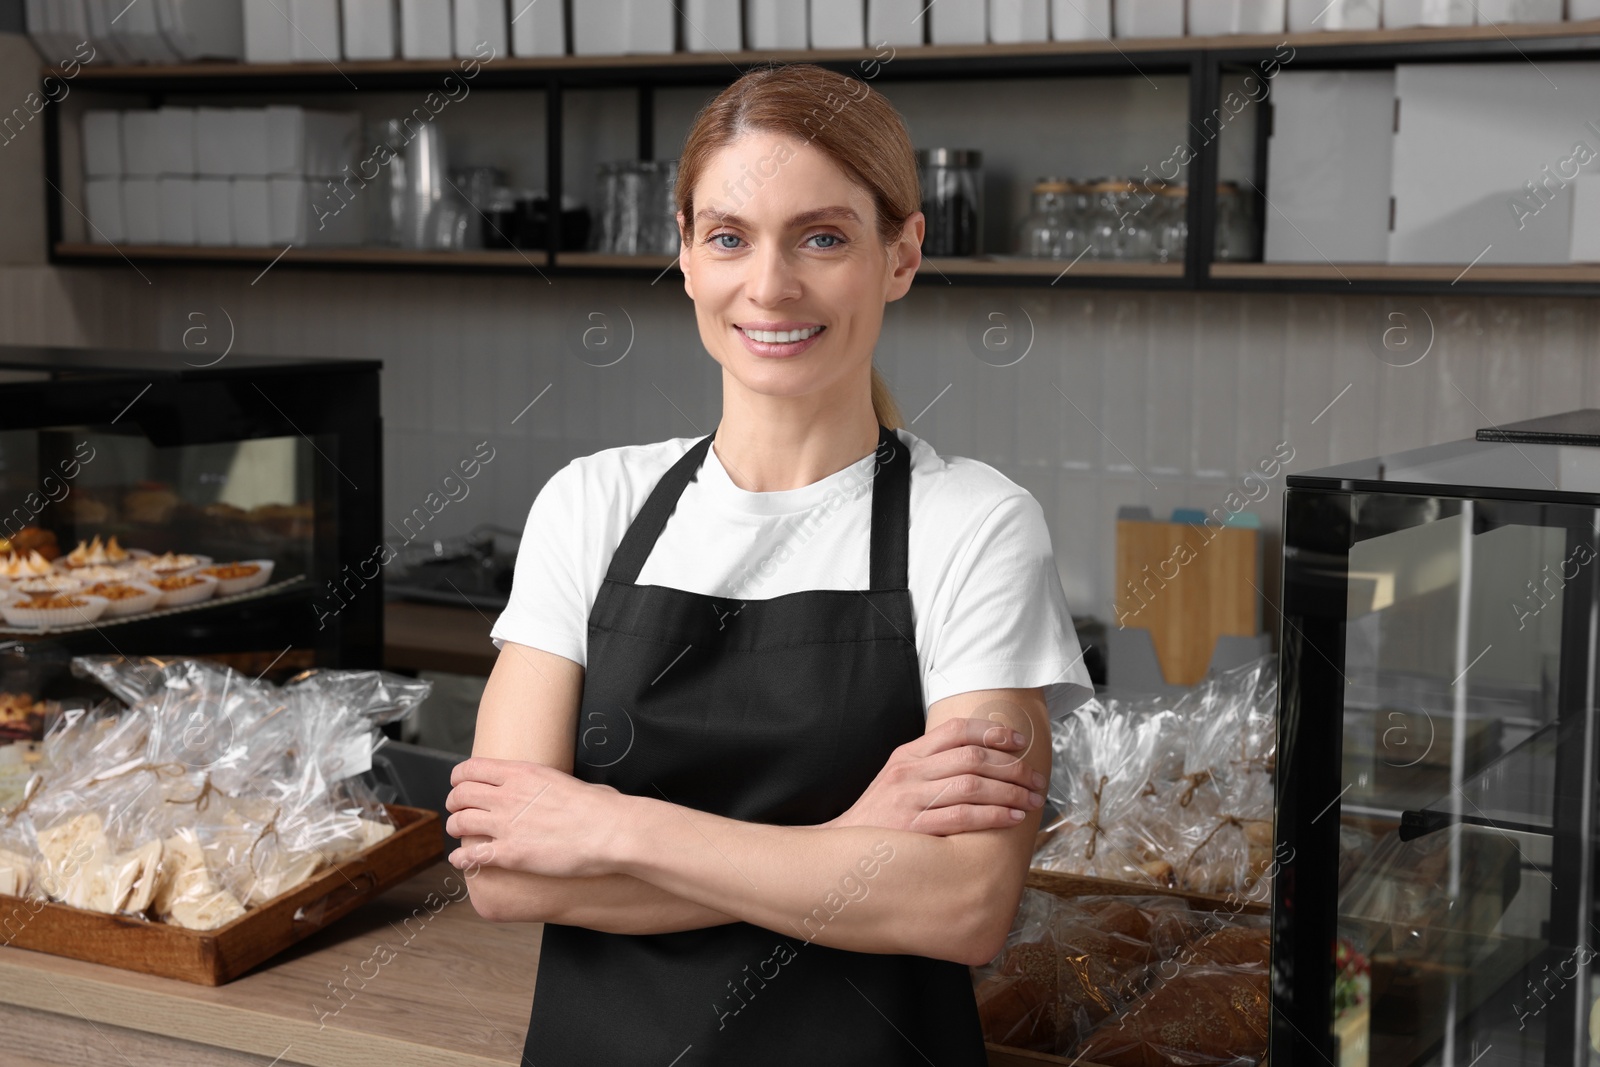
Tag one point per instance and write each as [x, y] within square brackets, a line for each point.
[772, 277]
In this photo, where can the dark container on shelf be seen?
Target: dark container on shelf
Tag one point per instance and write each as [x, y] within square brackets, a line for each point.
[1438, 740]
[952, 200]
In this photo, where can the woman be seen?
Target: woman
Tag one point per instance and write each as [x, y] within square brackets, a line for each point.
[782, 788]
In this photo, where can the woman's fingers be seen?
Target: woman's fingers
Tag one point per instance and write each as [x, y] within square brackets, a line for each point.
[469, 795]
[961, 818]
[976, 789]
[469, 822]
[977, 759]
[956, 733]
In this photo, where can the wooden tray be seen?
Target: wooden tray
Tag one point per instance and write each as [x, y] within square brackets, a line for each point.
[215, 957]
[1081, 885]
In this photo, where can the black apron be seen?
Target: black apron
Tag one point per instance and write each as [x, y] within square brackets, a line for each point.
[777, 711]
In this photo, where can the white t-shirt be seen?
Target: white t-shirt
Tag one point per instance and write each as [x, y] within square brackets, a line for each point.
[987, 600]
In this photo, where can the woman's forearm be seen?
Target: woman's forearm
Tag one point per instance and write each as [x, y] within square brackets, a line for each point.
[853, 887]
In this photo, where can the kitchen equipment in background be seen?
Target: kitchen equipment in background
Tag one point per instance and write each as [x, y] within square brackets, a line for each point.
[521, 219]
[895, 22]
[952, 200]
[1218, 17]
[713, 25]
[1329, 165]
[476, 186]
[838, 23]
[1080, 20]
[1236, 232]
[637, 211]
[371, 28]
[1398, 13]
[426, 29]
[1169, 224]
[539, 28]
[958, 22]
[1018, 21]
[422, 210]
[1118, 223]
[1187, 584]
[479, 23]
[616, 27]
[1307, 16]
[775, 25]
[1492, 12]
[287, 31]
[1148, 18]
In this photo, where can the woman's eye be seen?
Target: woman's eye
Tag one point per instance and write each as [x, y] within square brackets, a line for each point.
[716, 239]
[831, 237]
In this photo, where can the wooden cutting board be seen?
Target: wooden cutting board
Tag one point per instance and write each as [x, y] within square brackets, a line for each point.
[1187, 584]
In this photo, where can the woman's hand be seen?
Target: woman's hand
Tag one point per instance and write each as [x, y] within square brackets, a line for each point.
[528, 817]
[966, 774]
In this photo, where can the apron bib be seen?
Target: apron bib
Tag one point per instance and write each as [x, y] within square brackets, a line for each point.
[777, 711]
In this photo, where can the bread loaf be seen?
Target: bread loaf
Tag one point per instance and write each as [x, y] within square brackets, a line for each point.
[1203, 1015]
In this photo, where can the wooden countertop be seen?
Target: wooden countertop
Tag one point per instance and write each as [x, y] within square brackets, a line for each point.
[438, 637]
[416, 988]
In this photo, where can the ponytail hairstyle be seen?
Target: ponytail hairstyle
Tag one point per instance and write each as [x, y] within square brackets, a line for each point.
[839, 115]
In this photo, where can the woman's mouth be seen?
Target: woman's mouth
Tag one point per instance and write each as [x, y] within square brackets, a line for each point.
[779, 343]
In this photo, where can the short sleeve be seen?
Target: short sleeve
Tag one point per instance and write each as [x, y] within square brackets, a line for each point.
[1003, 621]
[547, 608]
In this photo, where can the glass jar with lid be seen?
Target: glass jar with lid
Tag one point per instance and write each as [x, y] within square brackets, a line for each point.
[1050, 231]
[1235, 238]
[952, 200]
[1170, 224]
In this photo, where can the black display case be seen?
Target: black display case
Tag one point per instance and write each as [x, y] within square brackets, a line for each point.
[1437, 755]
[248, 458]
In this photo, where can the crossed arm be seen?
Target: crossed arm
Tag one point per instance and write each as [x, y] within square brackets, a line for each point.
[930, 861]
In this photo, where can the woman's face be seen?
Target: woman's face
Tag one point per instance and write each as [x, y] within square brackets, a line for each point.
[786, 269]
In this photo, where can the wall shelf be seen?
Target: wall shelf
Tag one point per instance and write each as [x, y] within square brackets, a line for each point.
[1204, 60]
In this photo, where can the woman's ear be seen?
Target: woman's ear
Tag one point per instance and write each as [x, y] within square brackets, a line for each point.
[905, 255]
[685, 243]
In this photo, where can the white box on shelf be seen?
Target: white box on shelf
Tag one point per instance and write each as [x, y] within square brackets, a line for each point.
[371, 29]
[141, 210]
[1329, 166]
[616, 27]
[316, 25]
[897, 22]
[1080, 20]
[252, 212]
[1018, 21]
[213, 212]
[959, 22]
[776, 25]
[102, 143]
[213, 142]
[247, 145]
[838, 24]
[1585, 247]
[177, 211]
[1148, 18]
[1309, 16]
[138, 30]
[480, 26]
[305, 213]
[1580, 10]
[203, 29]
[539, 28]
[311, 143]
[1213, 18]
[713, 26]
[175, 133]
[103, 204]
[267, 31]
[1398, 13]
[101, 37]
[1484, 157]
[141, 144]
[425, 29]
[1493, 12]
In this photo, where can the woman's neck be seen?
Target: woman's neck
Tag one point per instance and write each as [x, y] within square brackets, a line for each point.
[770, 444]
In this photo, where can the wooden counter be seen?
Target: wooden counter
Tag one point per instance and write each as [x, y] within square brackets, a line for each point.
[438, 637]
[417, 988]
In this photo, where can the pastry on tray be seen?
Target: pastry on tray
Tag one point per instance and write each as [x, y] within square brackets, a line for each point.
[16, 566]
[93, 553]
[31, 539]
[1204, 1015]
[179, 589]
[126, 598]
[238, 576]
[170, 563]
[55, 609]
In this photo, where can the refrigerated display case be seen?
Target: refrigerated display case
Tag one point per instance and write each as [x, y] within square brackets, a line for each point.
[1437, 755]
[266, 462]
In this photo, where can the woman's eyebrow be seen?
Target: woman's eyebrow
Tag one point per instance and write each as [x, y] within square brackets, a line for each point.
[717, 217]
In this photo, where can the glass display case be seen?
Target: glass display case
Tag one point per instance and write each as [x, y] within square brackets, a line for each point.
[1437, 747]
[260, 477]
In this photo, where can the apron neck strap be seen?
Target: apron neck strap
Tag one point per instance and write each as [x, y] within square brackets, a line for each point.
[891, 513]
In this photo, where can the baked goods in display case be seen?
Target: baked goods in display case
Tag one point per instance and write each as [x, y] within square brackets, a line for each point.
[135, 810]
[1175, 793]
[1138, 981]
[31, 539]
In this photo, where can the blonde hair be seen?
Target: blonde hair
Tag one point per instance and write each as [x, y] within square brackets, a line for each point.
[866, 138]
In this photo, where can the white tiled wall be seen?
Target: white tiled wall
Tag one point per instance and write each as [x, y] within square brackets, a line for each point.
[1157, 399]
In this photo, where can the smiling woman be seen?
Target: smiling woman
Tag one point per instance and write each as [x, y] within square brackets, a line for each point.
[677, 779]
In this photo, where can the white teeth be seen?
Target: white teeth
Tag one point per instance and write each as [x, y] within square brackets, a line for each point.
[782, 337]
